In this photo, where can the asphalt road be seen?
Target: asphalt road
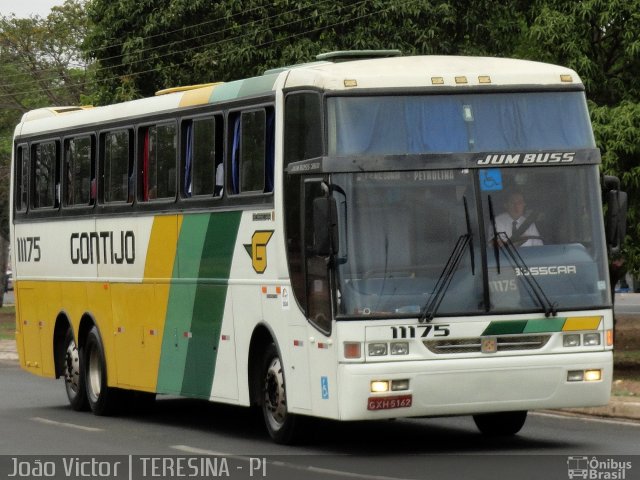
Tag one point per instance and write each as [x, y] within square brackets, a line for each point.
[35, 420]
[628, 303]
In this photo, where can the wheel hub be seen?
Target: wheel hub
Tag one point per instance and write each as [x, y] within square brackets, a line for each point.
[72, 368]
[274, 394]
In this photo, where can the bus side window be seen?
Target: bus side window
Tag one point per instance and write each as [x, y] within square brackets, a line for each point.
[79, 171]
[117, 166]
[46, 185]
[158, 172]
[22, 178]
[302, 140]
[252, 151]
[203, 157]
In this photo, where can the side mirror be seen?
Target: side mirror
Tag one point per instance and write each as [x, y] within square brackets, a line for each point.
[616, 219]
[325, 229]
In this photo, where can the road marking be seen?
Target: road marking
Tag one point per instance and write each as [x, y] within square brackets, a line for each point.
[293, 466]
[66, 425]
[570, 415]
[201, 451]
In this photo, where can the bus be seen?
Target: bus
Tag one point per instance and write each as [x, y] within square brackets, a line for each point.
[324, 240]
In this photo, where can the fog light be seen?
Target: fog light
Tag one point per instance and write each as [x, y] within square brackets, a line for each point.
[575, 376]
[397, 385]
[377, 349]
[379, 386]
[592, 375]
[571, 340]
[399, 348]
[352, 350]
[591, 339]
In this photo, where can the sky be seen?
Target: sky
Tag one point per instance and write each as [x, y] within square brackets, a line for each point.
[26, 8]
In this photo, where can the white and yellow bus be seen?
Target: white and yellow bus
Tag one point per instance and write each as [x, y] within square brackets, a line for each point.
[323, 240]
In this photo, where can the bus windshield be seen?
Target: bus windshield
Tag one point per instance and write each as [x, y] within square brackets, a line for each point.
[398, 231]
[385, 125]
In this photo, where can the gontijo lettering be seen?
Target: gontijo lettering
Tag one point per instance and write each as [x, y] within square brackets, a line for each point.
[103, 247]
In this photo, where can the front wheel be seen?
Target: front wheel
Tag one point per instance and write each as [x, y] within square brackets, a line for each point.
[500, 424]
[102, 399]
[280, 424]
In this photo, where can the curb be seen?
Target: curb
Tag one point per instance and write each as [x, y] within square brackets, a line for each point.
[8, 350]
[618, 407]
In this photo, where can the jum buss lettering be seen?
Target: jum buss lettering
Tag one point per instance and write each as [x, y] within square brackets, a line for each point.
[103, 247]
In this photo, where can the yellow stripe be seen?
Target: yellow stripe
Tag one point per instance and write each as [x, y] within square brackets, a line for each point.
[161, 252]
[581, 323]
[199, 96]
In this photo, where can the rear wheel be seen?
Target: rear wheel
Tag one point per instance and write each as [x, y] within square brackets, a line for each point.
[500, 424]
[280, 424]
[102, 399]
[73, 374]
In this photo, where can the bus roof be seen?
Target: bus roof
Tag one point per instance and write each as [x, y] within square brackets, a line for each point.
[382, 72]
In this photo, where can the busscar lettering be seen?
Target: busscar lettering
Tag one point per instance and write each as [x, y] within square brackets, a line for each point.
[109, 248]
[547, 270]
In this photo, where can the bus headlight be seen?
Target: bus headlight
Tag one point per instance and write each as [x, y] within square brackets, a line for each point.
[377, 349]
[591, 339]
[399, 348]
[571, 340]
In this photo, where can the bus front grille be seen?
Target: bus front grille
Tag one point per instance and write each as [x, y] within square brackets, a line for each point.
[508, 343]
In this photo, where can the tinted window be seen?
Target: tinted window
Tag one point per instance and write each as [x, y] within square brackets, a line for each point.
[22, 178]
[79, 184]
[159, 162]
[117, 166]
[45, 182]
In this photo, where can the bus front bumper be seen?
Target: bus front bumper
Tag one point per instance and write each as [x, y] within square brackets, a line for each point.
[473, 385]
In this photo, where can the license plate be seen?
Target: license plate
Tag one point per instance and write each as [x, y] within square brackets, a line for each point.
[386, 403]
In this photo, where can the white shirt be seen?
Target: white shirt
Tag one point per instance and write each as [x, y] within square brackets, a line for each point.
[504, 223]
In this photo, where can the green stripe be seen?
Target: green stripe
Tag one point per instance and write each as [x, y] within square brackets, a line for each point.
[196, 303]
[173, 357]
[541, 325]
[510, 327]
[514, 327]
[208, 308]
[243, 88]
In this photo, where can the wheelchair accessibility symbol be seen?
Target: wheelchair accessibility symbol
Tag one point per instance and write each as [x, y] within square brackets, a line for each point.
[490, 179]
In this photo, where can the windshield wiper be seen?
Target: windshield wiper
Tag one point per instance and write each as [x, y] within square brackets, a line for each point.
[436, 297]
[496, 247]
[442, 285]
[534, 288]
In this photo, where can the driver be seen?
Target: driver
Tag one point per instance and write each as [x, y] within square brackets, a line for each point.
[520, 229]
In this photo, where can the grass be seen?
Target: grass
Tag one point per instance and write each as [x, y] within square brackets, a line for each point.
[7, 323]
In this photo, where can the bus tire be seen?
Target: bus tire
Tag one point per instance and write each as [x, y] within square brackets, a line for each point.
[501, 424]
[73, 374]
[103, 400]
[281, 425]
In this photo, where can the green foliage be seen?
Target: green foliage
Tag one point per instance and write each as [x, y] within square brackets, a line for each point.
[599, 39]
[136, 47]
[39, 66]
[155, 45]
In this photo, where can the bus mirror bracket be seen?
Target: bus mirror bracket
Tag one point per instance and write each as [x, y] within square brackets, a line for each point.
[325, 228]
[616, 219]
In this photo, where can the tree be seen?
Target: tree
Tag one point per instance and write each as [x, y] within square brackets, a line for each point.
[40, 65]
[599, 40]
[142, 47]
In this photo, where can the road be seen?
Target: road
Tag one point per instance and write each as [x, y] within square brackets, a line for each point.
[628, 303]
[35, 419]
